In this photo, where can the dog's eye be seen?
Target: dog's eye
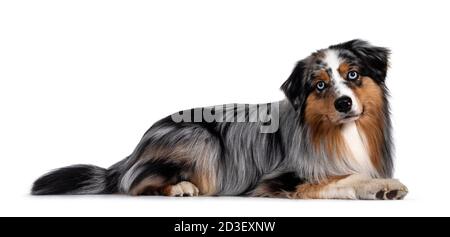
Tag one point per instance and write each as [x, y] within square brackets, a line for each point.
[320, 85]
[352, 75]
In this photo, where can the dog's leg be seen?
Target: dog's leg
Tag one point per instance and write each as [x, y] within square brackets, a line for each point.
[352, 187]
[174, 160]
[280, 186]
[164, 179]
[181, 189]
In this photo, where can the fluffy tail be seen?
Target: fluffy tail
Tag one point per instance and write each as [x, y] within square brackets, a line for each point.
[76, 179]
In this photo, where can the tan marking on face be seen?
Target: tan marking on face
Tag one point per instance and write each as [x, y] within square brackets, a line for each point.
[325, 133]
[344, 68]
[371, 122]
[321, 75]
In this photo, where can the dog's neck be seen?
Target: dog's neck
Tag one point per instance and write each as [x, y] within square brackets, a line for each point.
[368, 141]
[357, 150]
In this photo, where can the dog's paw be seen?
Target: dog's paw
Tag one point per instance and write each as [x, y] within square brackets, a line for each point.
[381, 189]
[181, 189]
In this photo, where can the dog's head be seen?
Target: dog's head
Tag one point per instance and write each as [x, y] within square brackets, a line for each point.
[339, 84]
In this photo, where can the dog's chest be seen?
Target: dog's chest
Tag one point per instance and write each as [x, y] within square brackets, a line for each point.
[359, 158]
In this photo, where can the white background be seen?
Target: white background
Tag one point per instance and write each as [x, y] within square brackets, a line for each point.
[81, 81]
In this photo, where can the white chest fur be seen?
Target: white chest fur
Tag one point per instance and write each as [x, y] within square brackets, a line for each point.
[359, 159]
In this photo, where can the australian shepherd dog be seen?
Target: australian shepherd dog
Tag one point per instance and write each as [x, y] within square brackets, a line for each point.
[329, 139]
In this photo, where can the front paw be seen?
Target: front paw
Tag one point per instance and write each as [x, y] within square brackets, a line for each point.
[381, 189]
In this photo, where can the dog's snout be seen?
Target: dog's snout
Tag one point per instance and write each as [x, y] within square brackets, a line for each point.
[343, 104]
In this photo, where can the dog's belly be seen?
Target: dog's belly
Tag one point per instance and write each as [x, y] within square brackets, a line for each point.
[359, 158]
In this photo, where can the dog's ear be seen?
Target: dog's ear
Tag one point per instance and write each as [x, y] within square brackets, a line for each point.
[375, 59]
[295, 86]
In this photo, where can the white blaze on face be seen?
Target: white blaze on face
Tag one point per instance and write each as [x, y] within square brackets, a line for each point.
[333, 62]
[359, 159]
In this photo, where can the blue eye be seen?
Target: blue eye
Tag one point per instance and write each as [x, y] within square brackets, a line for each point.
[352, 75]
[320, 85]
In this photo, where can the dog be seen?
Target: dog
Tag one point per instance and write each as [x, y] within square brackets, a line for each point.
[330, 138]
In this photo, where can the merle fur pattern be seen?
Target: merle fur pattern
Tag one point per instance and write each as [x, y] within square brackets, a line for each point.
[240, 157]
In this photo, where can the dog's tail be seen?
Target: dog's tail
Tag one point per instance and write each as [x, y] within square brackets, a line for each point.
[76, 179]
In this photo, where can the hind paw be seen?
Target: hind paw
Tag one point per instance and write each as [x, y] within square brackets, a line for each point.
[181, 189]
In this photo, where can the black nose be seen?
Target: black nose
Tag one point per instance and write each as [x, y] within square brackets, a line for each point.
[343, 104]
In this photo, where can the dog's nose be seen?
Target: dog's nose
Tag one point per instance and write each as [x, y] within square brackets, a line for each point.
[343, 104]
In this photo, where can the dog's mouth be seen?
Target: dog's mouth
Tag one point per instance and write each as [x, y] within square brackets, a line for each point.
[351, 117]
